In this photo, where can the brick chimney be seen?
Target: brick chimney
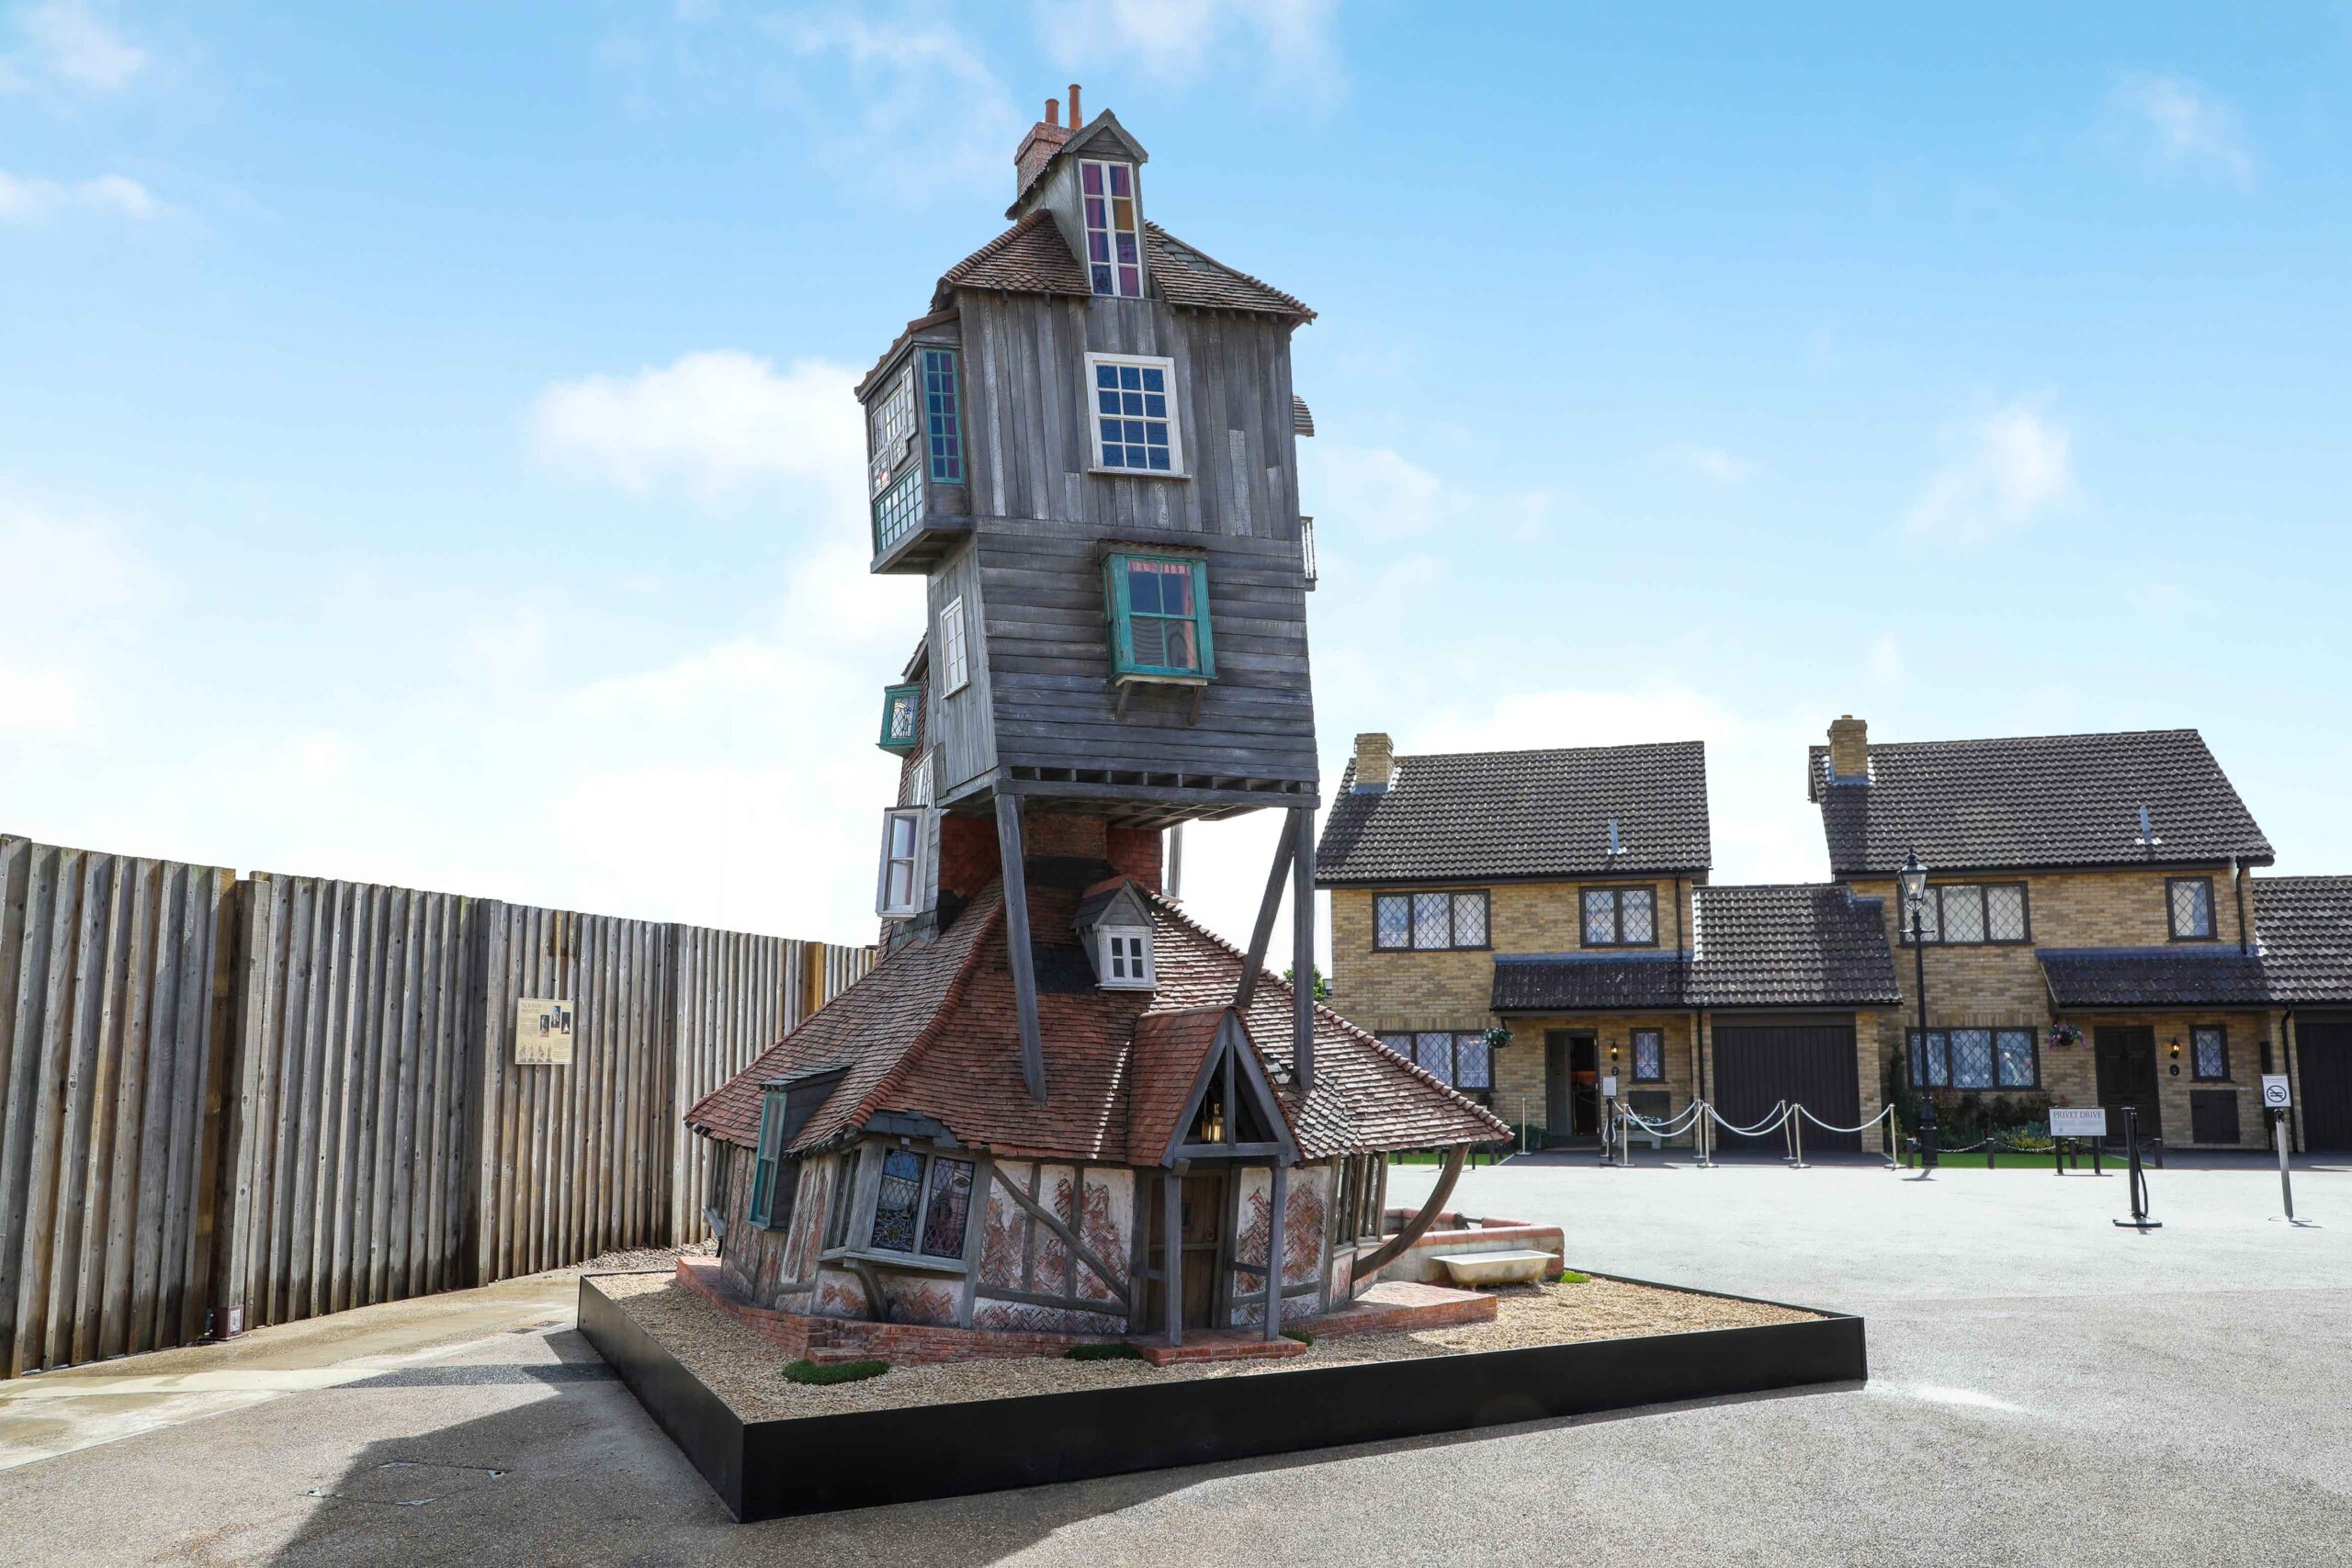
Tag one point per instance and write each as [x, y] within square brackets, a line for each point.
[1375, 763]
[1849, 748]
[1045, 139]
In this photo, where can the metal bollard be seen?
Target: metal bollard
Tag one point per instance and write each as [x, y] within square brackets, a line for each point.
[2138, 1219]
[1929, 1134]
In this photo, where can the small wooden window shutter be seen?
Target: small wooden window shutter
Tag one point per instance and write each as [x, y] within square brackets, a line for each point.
[1200, 618]
[1115, 589]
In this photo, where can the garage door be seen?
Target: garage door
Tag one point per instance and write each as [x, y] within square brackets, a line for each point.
[2323, 1052]
[1812, 1064]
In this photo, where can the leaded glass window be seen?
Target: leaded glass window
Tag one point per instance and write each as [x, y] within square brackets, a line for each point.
[1473, 1062]
[2018, 1067]
[1114, 239]
[1432, 919]
[1469, 920]
[897, 1201]
[2210, 1045]
[1434, 1051]
[943, 422]
[947, 1208]
[1971, 1057]
[1134, 415]
[2005, 913]
[898, 511]
[1649, 1055]
[1400, 1043]
[1392, 920]
[1637, 915]
[2192, 907]
[1620, 917]
[1599, 917]
[1963, 914]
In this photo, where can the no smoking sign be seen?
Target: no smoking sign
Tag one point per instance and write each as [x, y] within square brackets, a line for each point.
[2274, 1092]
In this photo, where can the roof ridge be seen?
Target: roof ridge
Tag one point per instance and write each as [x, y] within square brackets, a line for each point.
[1556, 750]
[1990, 739]
[1293, 300]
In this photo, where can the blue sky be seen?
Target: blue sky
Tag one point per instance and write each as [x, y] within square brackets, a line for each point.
[425, 451]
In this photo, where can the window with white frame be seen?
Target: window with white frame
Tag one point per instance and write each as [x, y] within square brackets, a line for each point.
[1429, 921]
[1113, 235]
[1621, 917]
[897, 892]
[1136, 428]
[890, 422]
[1972, 914]
[953, 656]
[2190, 901]
[1123, 958]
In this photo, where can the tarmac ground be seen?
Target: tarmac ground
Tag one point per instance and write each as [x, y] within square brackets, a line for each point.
[2045, 1387]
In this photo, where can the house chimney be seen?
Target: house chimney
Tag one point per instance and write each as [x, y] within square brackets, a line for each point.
[1077, 120]
[1045, 139]
[1849, 748]
[1375, 763]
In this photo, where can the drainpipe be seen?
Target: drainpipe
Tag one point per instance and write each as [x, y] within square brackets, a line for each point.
[2287, 1064]
[2237, 880]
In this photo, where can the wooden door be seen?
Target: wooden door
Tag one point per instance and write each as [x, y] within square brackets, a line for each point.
[2323, 1063]
[2126, 1057]
[1558, 1120]
[1201, 1234]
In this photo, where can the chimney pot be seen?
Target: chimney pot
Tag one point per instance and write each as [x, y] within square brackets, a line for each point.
[1053, 111]
[1849, 748]
[1375, 763]
[1075, 121]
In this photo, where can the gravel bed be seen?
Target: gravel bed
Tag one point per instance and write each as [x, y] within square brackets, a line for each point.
[747, 1372]
[664, 1257]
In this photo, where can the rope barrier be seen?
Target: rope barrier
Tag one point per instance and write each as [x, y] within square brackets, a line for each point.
[1826, 1127]
[1771, 1122]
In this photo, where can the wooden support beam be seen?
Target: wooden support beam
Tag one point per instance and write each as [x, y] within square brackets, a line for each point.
[1068, 1236]
[1171, 1251]
[1388, 1251]
[1302, 947]
[1277, 1206]
[1268, 908]
[1016, 944]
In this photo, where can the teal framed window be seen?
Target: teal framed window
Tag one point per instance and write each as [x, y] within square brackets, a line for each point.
[1159, 608]
[943, 415]
[899, 510]
[902, 718]
[772, 1181]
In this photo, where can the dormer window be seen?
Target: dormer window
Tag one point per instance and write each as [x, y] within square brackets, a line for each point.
[1114, 236]
[1123, 958]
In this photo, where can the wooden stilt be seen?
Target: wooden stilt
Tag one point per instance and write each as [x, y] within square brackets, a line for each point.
[1171, 1252]
[1016, 944]
[1302, 947]
[1268, 908]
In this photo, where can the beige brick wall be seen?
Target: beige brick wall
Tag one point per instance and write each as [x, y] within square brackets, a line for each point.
[1519, 1066]
[1383, 989]
[2004, 984]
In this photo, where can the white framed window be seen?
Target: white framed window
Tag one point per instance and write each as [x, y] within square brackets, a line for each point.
[889, 424]
[898, 891]
[1123, 958]
[1135, 424]
[1113, 230]
[953, 656]
[919, 782]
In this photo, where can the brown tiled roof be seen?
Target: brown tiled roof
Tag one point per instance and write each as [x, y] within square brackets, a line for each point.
[1808, 944]
[1469, 815]
[2305, 926]
[2035, 801]
[1028, 258]
[1192, 278]
[2153, 976]
[930, 1030]
[1031, 257]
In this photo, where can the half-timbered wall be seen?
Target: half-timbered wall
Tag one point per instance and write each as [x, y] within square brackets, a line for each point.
[1028, 1278]
[1306, 1243]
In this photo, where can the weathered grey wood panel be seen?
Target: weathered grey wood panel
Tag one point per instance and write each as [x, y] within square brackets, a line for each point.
[109, 1055]
[956, 723]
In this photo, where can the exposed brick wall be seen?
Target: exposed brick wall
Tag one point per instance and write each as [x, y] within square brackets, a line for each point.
[1065, 834]
[967, 854]
[827, 1340]
[1136, 852]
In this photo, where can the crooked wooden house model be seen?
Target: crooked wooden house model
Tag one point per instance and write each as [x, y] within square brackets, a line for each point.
[1056, 1105]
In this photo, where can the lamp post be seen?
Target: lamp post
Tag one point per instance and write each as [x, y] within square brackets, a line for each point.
[1912, 880]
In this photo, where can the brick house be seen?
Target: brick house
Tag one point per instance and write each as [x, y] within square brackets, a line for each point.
[2093, 885]
[1055, 1105]
[1530, 925]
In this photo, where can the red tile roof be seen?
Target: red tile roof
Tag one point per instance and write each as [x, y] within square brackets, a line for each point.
[930, 1030]
[1031, 257]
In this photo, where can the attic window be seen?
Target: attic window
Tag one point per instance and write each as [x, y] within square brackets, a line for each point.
[1123, 958]
[1114, 248]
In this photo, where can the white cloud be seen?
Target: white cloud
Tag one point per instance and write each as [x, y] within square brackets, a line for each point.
[2005, 468]
[2178, 125]
[1289, 43]
[30, 200]
[903, 108]
[66, 44]
[718, 424]
[1713, 463]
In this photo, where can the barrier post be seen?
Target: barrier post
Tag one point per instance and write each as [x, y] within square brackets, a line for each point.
[2138, 1219]
[1796, 1120]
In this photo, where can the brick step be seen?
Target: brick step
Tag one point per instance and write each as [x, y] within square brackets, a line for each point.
[1222, 1345]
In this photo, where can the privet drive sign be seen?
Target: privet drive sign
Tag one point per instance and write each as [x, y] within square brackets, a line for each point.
[2089, 1122]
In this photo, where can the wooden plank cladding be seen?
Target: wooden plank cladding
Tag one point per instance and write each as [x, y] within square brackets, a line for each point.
[225, 1104]
[109, 1058]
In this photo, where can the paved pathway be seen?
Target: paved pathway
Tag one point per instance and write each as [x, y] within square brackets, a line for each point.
[2045, 1387]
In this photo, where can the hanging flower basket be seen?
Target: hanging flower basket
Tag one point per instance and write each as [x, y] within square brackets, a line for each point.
[2065, 1034]
[1498, 1037]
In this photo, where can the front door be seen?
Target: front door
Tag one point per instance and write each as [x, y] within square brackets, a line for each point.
[2324, 1054]
[1200, 1230]
[1571, 1087]
[2127, 1076]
